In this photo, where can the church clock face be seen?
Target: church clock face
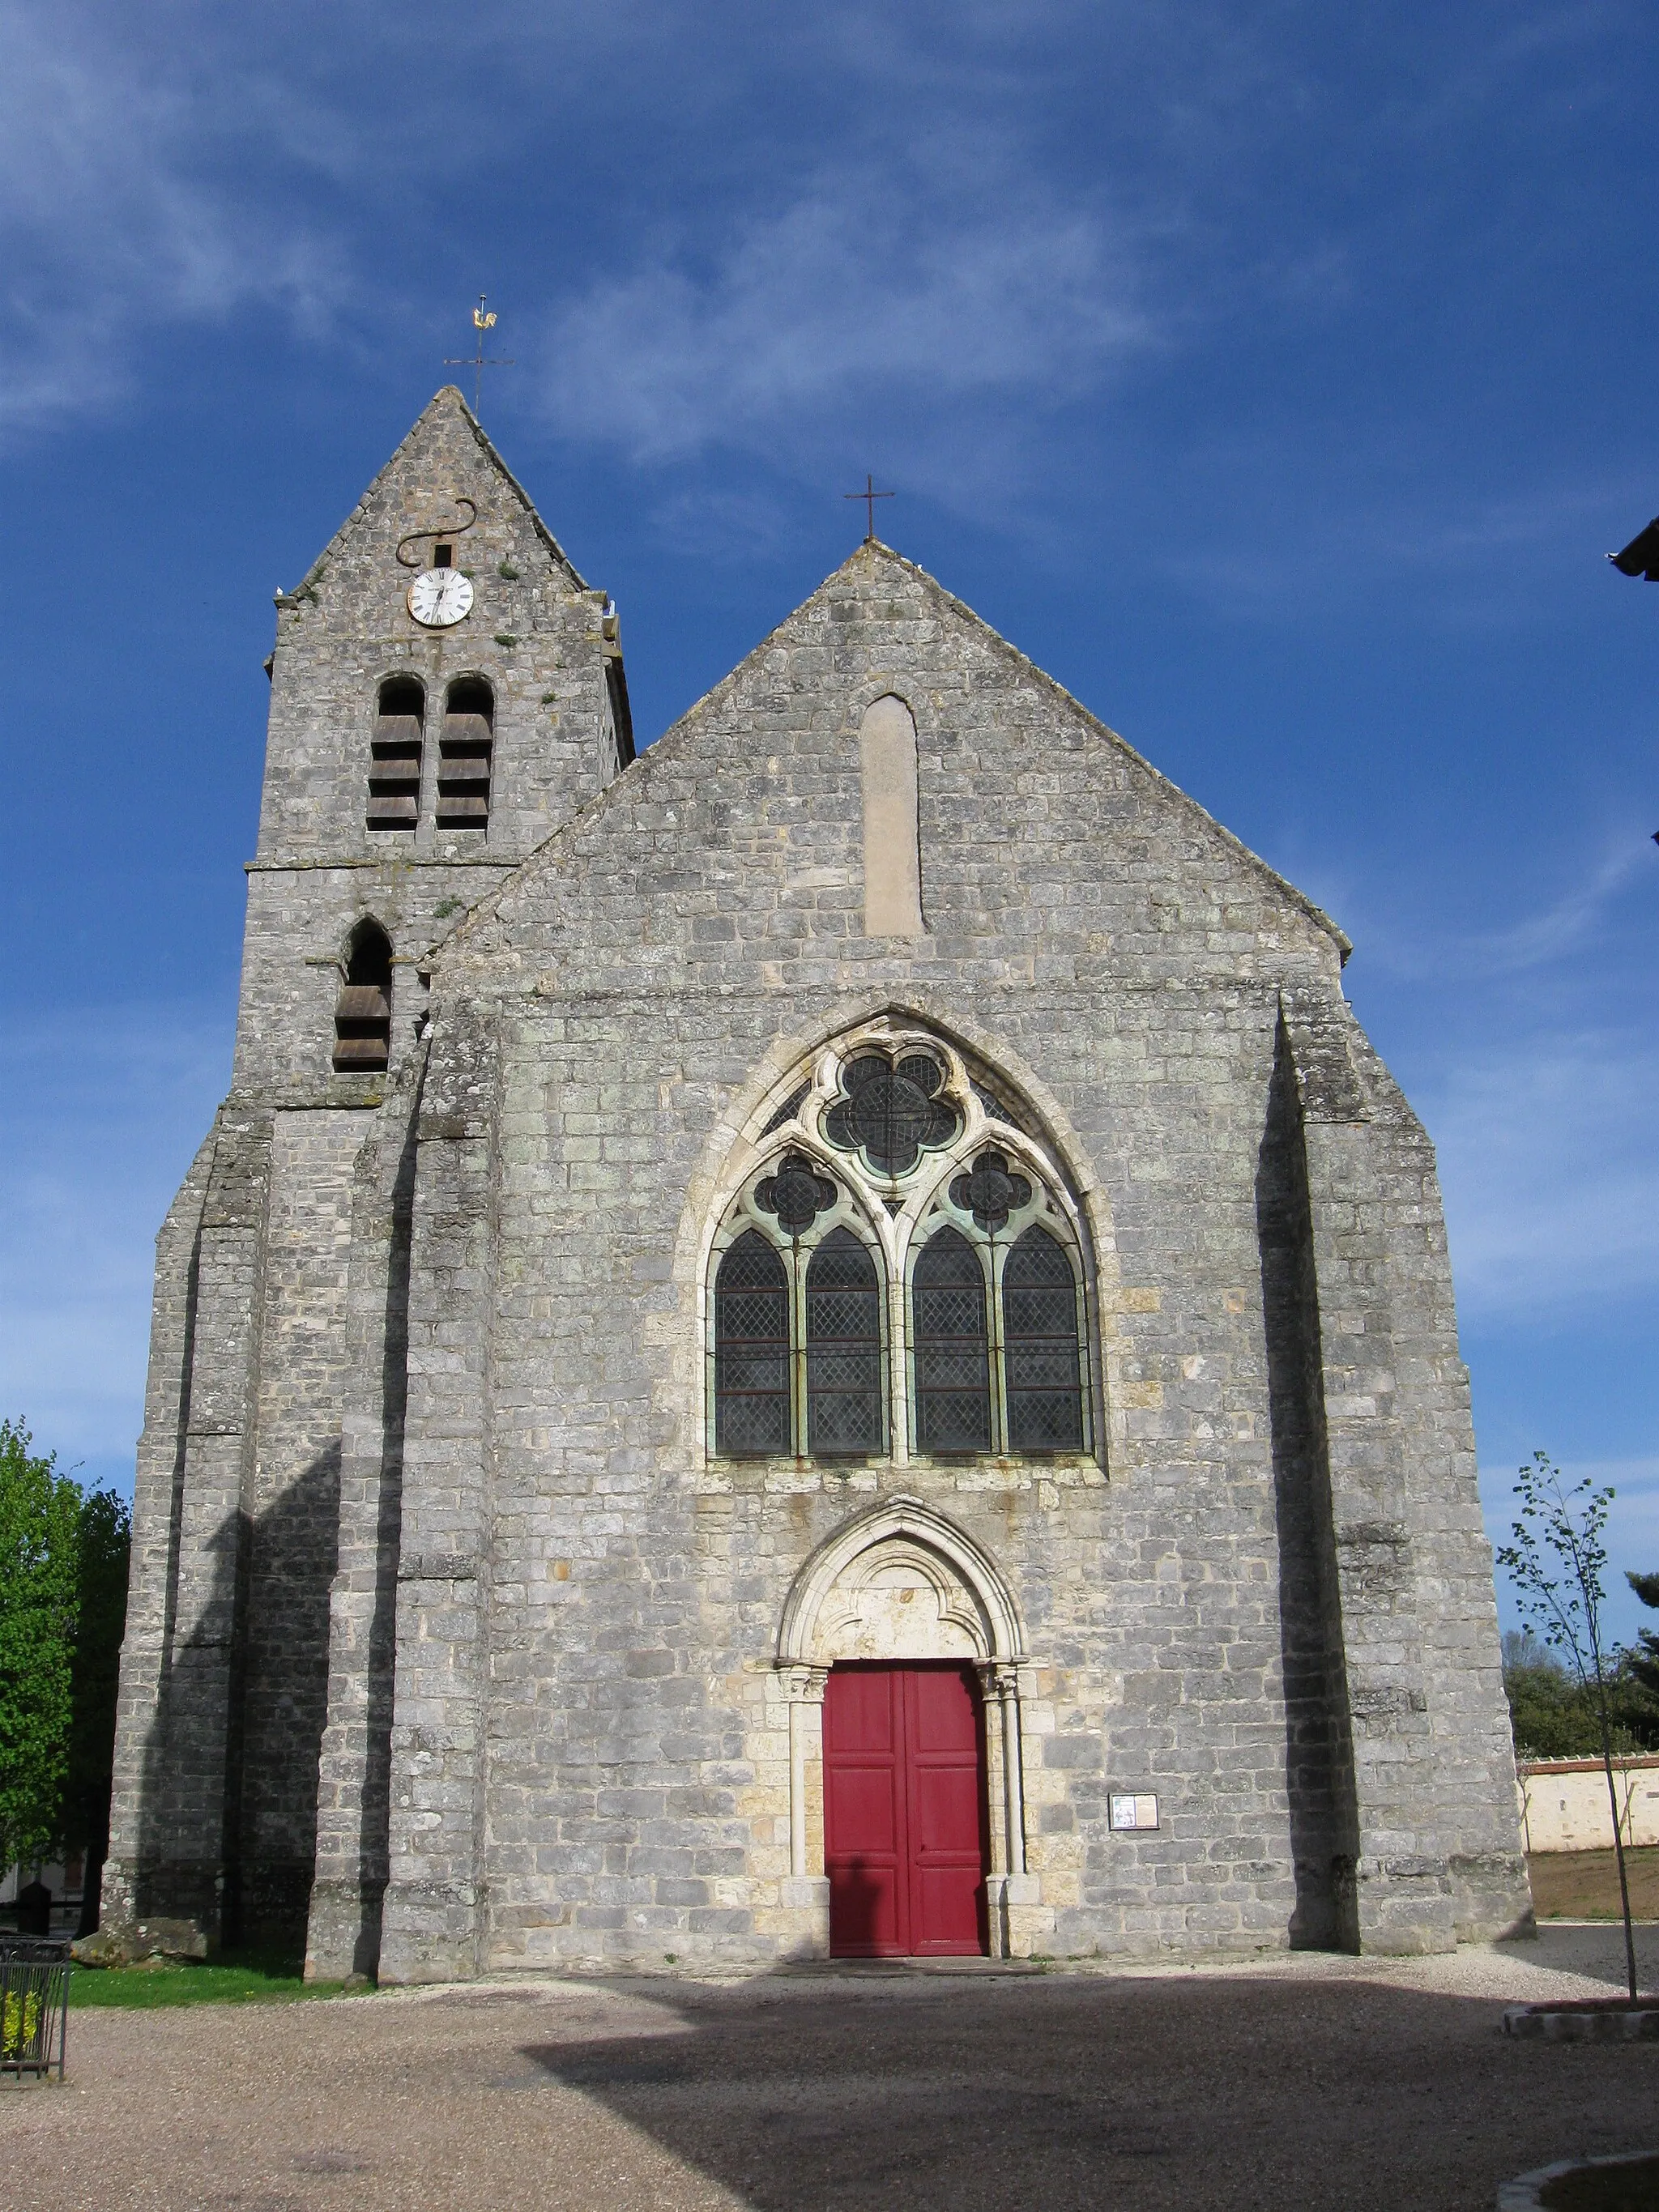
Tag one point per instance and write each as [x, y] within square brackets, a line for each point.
[439, 597]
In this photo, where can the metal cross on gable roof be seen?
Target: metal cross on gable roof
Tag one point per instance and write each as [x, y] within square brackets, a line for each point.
[870, 495]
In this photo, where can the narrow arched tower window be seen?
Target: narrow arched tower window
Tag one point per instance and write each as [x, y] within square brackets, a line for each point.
[394, 766]
[465, 754]
[892, 837]
[751, 1350]
[843, 1348]
[951, 1350]
[362, 1013]
[1040, 1346]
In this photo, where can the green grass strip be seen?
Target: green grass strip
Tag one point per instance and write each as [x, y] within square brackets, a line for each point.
[179, 1982]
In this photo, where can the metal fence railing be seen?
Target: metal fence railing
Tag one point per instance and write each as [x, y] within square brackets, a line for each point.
[34, 1974]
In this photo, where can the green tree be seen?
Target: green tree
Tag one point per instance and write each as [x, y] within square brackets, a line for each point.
[1554, 1715]
[39, 1597]
[106, 1546]
[1644, 1660]
[1558, 1560]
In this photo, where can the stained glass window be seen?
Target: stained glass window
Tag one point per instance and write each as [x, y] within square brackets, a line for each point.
[889, 1112]
[951, 1352]
[843, 1348]
[751, 1351]
[1040, 1346]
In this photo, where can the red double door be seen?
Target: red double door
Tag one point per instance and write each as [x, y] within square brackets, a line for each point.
[904, 1812]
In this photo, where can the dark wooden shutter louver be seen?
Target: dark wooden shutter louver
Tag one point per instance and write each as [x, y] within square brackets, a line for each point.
[394, 767]
[363, 1012]
[465, 755]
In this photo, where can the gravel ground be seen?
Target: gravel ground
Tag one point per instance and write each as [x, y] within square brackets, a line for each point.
[1290, 2083]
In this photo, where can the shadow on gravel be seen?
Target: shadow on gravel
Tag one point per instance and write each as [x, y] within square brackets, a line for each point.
[1074, 2093]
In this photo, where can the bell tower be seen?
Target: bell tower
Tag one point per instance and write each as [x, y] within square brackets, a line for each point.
[445, 692]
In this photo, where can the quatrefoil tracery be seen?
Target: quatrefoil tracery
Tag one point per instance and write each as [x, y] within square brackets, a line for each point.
[889, 1112]
[796, 1194]
[991, 1191]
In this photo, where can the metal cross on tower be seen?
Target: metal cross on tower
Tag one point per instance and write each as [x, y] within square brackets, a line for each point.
[870, 495]
[477, 362]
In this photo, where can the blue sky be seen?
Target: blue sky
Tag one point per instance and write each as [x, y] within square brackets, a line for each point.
[1276, 376]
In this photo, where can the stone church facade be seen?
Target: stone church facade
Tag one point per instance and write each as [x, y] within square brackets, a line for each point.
[829, 1338]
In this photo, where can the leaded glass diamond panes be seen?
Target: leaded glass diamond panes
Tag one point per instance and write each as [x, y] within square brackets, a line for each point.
[998, 1110]
[788, 1110]
[843, 1347]
[751, 1350]
[951, 1353]
[891, 1113]
[1040, 1346]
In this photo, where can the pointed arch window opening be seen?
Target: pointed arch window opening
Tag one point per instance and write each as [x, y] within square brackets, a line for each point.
[362, 1010]
[395, 754]
[987, 1357]
[466, 748]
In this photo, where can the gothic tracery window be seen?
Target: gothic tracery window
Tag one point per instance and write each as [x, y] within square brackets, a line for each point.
[900, 1274]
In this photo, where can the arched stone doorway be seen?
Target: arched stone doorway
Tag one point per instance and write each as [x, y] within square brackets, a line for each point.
[899, 1587]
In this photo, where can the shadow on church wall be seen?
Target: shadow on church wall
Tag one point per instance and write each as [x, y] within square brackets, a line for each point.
[373, 1865]
[1318, 1748]
[228, 1827]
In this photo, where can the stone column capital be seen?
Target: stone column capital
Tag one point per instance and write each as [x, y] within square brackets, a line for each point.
[803, 1686]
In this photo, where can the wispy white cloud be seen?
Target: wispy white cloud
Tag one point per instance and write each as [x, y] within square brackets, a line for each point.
[1568, 920]
[880, 292]
[1401, 939]
[135, 192]
[1360, 514]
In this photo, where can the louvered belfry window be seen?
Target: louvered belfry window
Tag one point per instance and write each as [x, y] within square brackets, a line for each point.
[951, 1347]
[466, 755]
[1040, 1349]
[394, 766]
[843, 1348]
[363, 1012]
[751, 1351]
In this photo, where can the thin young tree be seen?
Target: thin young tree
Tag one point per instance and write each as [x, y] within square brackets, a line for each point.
[1557, 1562]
